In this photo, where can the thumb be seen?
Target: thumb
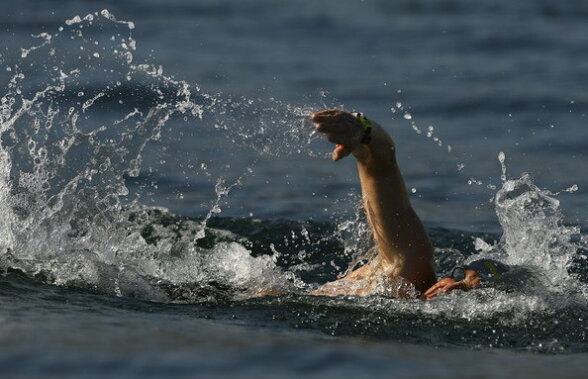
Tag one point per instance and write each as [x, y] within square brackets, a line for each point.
[340, 152]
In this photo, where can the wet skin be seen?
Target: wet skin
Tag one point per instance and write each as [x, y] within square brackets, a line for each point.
[403, 247]
[402, 244]
[471, 280]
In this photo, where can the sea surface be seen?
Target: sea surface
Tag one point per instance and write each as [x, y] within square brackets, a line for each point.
[159, 171]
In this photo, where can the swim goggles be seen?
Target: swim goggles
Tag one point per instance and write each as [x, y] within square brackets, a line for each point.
[458, 273]
[487, 269]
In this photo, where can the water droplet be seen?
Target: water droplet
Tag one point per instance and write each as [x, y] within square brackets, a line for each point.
[74, 20]
[572, 189]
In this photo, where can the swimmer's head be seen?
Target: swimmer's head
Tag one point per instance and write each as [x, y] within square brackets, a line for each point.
[467, 277]
[478, 272]
[488, 269]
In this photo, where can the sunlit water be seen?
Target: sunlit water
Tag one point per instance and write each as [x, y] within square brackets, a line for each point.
[92, 262]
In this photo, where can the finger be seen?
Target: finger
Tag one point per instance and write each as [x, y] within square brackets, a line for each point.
[327, 111]
[431, 295]
[437, 290]
[456, 285]
[325, 114]
[341, 152]
[332, 116]
[339, 139]
[432, 289]
[331, 128]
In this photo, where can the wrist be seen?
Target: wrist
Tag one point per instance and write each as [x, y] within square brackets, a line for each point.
[379, 152]
[366, 125]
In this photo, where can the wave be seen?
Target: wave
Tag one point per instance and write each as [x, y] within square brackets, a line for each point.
[69, 149]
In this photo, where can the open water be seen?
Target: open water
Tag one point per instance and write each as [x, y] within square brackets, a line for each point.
[157, 168]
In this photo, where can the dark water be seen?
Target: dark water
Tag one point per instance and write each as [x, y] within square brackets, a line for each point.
[158, 171]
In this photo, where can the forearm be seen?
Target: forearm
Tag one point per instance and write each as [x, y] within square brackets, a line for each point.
[399, 234]
[381, 181]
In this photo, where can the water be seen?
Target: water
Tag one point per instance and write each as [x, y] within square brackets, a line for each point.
[158, 169]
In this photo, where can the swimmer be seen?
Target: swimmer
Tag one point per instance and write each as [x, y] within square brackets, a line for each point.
[404, 251]
[467, 277]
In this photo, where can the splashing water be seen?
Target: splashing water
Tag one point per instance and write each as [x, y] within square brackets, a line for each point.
[67, 217]
[536, 237]
[430, 131]
[67, 147]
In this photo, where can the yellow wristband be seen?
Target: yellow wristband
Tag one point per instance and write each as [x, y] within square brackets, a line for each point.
[366, 125]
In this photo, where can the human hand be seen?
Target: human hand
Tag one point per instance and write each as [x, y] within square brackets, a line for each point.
[342, 128]
[442, 286]
[471, 280]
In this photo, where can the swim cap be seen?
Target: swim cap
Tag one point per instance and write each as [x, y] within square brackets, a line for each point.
[488, 268]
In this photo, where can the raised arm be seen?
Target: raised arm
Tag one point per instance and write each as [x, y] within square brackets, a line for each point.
[401, 240]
